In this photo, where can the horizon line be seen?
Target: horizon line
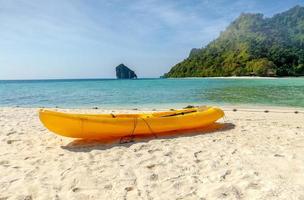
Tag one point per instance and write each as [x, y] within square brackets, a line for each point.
[58, 79]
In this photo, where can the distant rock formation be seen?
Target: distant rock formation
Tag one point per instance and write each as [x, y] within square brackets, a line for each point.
[123, 72]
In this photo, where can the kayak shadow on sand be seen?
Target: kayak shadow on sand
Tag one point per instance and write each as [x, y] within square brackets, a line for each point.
[86, 145]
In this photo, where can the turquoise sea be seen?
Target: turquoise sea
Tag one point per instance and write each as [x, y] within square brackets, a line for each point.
[152, 93]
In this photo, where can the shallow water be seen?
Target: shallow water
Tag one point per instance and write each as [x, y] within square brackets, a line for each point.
[152, 93]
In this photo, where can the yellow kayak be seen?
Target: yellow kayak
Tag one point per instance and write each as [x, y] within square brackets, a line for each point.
[95, 126]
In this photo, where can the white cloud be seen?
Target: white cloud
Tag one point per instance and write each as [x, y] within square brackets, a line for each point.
[154, 33]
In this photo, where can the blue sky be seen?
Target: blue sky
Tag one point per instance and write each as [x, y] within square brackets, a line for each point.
[88, 38]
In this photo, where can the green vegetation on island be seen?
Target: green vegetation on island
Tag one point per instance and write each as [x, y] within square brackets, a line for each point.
[252, 45]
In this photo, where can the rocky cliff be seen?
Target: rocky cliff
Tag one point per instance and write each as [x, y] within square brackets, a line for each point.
[123, 72]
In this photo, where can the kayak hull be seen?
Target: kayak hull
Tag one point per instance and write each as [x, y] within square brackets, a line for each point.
[109, 125]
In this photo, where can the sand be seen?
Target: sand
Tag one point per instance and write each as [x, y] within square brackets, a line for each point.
[248, 155]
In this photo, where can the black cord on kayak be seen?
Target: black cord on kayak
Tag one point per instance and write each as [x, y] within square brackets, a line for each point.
[148, 125]
[129, 138]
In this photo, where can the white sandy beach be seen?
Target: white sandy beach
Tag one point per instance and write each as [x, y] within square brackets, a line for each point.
[248, 155]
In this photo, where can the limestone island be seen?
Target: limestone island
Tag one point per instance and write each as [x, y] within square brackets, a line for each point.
[252, 45]
[123, 72]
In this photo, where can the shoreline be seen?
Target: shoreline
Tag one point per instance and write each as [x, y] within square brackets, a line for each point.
[229, 160]
[164, 108]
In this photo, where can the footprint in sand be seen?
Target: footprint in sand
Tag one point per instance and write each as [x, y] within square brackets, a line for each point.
[151, 166]
[154, 177]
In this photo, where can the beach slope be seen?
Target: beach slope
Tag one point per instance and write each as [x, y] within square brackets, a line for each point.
[249, 154]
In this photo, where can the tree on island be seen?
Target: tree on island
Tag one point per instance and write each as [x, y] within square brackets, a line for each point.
[251, 45]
